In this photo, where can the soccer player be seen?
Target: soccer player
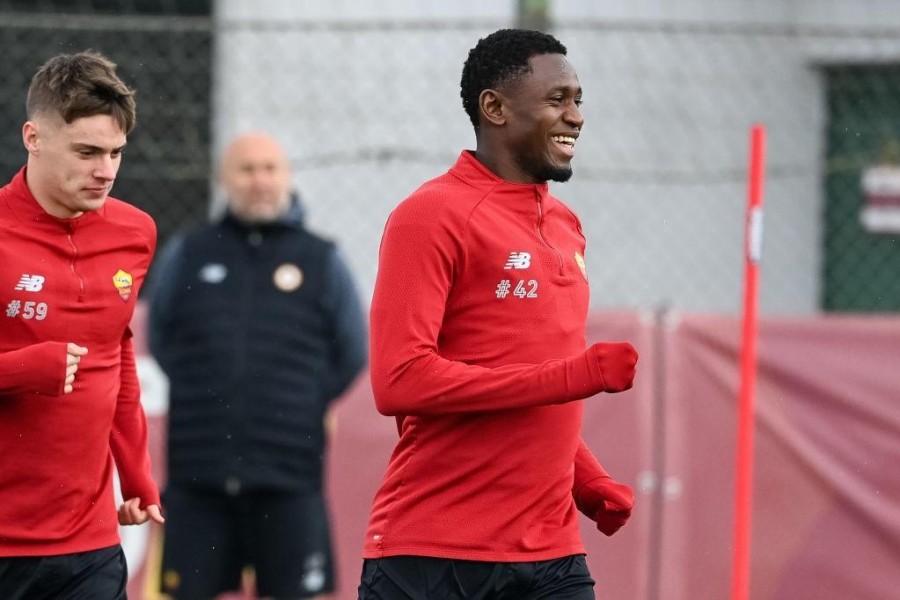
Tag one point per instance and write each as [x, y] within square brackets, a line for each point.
[478, 349]
[72, 260]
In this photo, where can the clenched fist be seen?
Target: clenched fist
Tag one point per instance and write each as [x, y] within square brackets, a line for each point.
[616, 362]
[606, 502]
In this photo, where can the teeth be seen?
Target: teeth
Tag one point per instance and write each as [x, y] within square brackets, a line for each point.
[564, 139]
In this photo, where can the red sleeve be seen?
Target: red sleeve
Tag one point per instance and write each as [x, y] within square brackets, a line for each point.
[587, 468]
[40, 368]
[128, 439]
[419, 253]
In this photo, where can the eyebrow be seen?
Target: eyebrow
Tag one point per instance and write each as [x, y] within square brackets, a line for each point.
[566, 88]
[91, 147]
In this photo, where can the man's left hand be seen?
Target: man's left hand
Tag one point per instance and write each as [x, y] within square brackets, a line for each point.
[131, 513]
[606, 502]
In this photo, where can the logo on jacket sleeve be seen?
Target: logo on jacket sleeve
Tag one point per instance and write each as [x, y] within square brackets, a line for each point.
[518, 260]
[123, 281]
[30, 283]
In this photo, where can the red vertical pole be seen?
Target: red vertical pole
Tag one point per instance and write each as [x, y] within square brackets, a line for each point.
[740, 589]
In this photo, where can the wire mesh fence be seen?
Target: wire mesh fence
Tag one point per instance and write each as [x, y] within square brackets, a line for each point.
[862, 189]
[167, 60]
[368, 109]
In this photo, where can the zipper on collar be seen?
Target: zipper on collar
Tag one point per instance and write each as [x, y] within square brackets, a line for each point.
[540, 208]
[73, 260]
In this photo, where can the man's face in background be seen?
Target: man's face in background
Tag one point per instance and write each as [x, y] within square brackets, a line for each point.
[257, 178]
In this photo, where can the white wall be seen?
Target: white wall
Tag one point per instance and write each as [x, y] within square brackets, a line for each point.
[366, 97]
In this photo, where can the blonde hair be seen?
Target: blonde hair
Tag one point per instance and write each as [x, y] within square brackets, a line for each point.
[81, 85]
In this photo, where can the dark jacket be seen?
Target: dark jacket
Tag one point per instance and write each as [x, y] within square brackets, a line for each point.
[258, 328]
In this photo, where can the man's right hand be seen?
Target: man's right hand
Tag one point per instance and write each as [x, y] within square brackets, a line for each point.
[74, 352]
[616, 362]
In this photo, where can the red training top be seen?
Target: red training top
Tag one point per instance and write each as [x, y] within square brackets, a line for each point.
[62, 281]
[477, 347]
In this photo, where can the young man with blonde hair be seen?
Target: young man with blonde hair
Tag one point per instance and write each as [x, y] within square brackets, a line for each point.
[72, 260]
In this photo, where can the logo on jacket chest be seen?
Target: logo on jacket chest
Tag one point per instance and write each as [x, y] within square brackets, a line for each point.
[123, 282]
[287, 277]
[30, 283]
[518, 260]
[213, 273]
[522, 288]
[21, 306]
[579, 260]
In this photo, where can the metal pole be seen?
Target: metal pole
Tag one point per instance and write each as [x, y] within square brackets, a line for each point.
[746, 418]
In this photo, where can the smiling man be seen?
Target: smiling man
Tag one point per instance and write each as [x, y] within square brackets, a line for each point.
[478, 349]
[72, 260]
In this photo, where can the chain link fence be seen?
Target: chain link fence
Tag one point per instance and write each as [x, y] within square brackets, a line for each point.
[165, 58]
[862, 189]
[369, 108]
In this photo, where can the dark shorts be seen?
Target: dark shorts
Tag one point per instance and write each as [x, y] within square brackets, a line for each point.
[420, 578]
[92, 574]
[211, 537]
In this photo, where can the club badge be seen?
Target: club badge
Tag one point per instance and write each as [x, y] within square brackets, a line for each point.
[288, 277]
[123, 281]
[579, 260]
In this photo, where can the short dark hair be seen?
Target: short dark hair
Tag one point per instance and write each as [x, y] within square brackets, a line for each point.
[498, 59]
[81, 85]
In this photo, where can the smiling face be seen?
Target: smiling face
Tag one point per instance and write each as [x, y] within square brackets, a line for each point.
[542, 120]
[72, 166]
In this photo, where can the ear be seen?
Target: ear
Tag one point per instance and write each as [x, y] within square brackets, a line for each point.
[30, 137]
[490, 103]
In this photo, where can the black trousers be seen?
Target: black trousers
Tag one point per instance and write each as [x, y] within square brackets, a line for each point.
[425, 578]
[87, 575]
[210, 537]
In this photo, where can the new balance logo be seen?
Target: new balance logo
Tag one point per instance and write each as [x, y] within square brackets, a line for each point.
[518, 260]
[30, 283]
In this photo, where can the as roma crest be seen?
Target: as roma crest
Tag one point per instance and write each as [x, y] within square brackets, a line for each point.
[579, 260]
[123, 281]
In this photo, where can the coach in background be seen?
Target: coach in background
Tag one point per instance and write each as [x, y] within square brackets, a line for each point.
[72, 260]
[257, 323]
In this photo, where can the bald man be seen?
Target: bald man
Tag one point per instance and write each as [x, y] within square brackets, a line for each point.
[257, 323]
[256, 176]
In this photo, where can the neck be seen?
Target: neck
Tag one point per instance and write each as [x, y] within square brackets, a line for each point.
[501, 163]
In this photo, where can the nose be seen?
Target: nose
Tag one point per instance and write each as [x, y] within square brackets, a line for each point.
[260, 178]
[106, 167]
[573, 116]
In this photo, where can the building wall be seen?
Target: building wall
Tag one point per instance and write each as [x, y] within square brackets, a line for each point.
[366, 97]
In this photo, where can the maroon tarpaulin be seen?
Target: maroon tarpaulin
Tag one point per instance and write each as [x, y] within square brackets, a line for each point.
[826, 509]
[826, 513]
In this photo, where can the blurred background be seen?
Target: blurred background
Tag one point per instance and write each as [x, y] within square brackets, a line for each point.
[365, 97]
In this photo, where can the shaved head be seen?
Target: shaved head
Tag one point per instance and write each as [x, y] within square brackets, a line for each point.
[256, 176]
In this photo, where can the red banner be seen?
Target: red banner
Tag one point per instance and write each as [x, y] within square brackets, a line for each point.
[826, 509]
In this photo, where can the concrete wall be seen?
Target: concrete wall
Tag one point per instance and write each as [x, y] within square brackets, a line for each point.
[366, 97]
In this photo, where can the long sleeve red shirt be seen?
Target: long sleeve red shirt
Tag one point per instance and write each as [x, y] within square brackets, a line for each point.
[65, 281]
[477, 347]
